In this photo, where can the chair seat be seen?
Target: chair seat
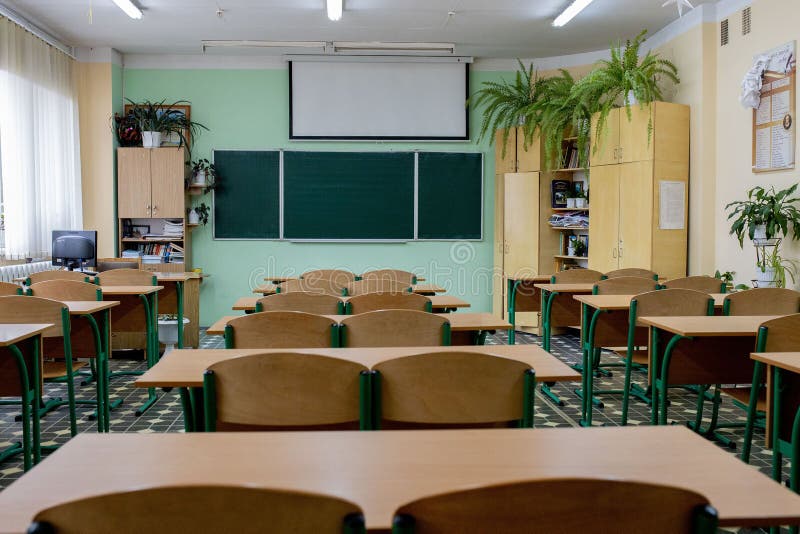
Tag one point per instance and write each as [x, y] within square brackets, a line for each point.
[58, 369]
[743, 396]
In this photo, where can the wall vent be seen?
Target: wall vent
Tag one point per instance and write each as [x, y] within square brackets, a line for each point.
[746, 20]
[723, 32]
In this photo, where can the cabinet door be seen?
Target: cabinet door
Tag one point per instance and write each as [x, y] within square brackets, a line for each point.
[507, 162]
[604, 218]
[606, 142]
[521, 223]
[167, 166]
[528, 158]
[635, 145]
[498, 284]
[133, 182]
[636, 215]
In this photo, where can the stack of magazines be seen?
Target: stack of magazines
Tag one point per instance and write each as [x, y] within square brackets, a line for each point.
[570, 219]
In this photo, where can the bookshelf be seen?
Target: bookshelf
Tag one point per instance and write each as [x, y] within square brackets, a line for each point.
[569, 171]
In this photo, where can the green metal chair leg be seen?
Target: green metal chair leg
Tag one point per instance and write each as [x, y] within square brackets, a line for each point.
[752, 408]
[512, 304]
[548, 392]
[186, 404]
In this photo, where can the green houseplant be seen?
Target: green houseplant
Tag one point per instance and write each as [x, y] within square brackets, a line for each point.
[562, 113]
[204, 173]
[199, 214]
[158, 119]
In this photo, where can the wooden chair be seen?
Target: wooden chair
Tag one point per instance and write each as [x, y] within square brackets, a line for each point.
[395, 328]
[375, 285]
[201, 509]
[664, 302]
[452, 389]
[560, 505]
[302, 301]
[281, 330]
[109, 264]
[43, 276]
[576, 276]
[320, 286]
[393, 275]
[707, 284]
[624, 285]
[8, 288]
[285, 391]
[632, 271]
[126, 277]
[338, 276]
[387, 301]
[759, 301]
[65, 290]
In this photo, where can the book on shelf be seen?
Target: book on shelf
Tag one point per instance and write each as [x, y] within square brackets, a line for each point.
[156, 253]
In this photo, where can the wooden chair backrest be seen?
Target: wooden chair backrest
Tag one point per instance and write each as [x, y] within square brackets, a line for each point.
[706, 284]
[451, 388]
[17, 309]
[625, 285]
[393, 275]
[393, 328]
[109, 264]
[126, 277]
[576, 276]
[632, 271]
[302, 301]
[9, 288]
[665, 302]
[783, 334]
[282, 330]
[287, 389]
[402, 300]
[763, 301]
[244, 510]
[66, 290]
[339, 276]
[43, 276]
[559, 505]
[375, 285]
[320, 286]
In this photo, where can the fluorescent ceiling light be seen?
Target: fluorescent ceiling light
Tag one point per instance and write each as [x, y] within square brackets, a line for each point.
[334, 9]
[264, 44]
[129, 8]
[569, 13]
[381, 46]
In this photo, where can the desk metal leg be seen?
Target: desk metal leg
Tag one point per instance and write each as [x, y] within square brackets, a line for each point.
[188, 413]
[512, 314]
[179, 295]
[29, 402]
[151, 320]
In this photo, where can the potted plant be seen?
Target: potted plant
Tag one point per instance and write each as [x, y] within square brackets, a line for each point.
[158, 119]
[199, 214]
[563, 114]
[581, 200]
[580, 248]
[204, 173]
[624, 80]
[168, 330]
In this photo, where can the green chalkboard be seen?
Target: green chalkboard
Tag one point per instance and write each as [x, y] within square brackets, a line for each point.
[348, 195]
[247, 202]
[450, 195]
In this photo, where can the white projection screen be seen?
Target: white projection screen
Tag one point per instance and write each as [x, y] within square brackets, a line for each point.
[377, 98]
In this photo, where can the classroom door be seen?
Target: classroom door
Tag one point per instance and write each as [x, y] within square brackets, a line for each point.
[634, 141]
[636, 215]
[167, 169]
[521, 222]
[605, 143]
[604, 221]
[133, 183]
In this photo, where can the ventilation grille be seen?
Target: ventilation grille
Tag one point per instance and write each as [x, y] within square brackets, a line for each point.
[746, 21]
[723, 32]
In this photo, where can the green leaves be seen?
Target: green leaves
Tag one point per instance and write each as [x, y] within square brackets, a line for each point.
[164, 118]
[775, 210]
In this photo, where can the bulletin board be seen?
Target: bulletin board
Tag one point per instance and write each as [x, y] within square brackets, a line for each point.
[774, 128]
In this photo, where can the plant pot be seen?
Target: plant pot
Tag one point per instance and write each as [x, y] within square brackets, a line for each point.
[168, 332]
[570, 251]
[632, 98]
[765, 278]
[199, 178]
[151, 139]
[571, 202]
[194, 217]
[581, 203]
[760, 232]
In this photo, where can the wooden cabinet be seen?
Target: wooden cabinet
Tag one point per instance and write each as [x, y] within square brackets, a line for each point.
[167, 171]
[625, 229]
[518, 157]
[133, 182]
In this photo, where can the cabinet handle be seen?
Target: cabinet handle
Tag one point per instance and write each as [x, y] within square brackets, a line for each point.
[155, 210]
[621, 151]
[147, 209]
[620, 252]
[614, 252]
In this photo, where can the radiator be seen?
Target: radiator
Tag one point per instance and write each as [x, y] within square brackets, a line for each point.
[9, 272]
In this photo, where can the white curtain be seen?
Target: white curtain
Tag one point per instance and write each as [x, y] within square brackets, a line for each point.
[39, 142]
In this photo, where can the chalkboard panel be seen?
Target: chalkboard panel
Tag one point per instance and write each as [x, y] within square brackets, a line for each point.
[450, 195]
[247, 202]
[348, 195]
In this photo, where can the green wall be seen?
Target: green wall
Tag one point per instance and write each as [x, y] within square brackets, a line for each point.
[248, 109]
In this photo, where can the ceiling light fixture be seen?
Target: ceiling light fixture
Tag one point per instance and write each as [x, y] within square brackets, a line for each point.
[129, 8]
[334, 9]
[263, 44]
[378, 46]
[568, 14]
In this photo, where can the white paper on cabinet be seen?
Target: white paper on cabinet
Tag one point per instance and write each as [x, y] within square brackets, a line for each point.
[672, 205]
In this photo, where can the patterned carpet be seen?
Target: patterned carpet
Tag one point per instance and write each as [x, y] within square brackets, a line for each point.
[166, 415]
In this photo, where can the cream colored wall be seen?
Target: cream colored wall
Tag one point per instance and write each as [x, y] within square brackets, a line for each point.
[97, 153]
[774, 22]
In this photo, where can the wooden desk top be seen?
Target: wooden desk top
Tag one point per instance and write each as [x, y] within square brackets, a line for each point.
[379, 471]
[184, 367]
[279, 279]
[566, 288]
[709, 326]
[459, 322]
[437, 301]
[130, 290]
[14, 333]
[84, 307]
[789, 361]
[622, 302]
[416, 288]
[176, 277]
[538, 278]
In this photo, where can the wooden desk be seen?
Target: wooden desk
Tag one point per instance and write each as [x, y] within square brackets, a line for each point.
[379, 471]
[560, 312]
[622, 302]
[440, 303]
[21, 340]
[717, 352]
[522, 295]
[281, 279]
[422, 289]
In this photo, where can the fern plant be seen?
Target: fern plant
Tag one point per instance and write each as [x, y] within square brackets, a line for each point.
[507, 105]
[561, 113]
[625, 74]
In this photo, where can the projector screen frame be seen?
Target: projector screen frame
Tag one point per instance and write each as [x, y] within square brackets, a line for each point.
[464, 138]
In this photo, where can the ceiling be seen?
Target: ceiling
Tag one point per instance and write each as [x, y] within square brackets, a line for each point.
[480, 28]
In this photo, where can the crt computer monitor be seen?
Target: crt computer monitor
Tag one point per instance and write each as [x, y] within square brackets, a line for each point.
[75, 248]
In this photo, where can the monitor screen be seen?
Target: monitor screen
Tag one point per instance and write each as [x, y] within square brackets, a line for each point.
[75, 249]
